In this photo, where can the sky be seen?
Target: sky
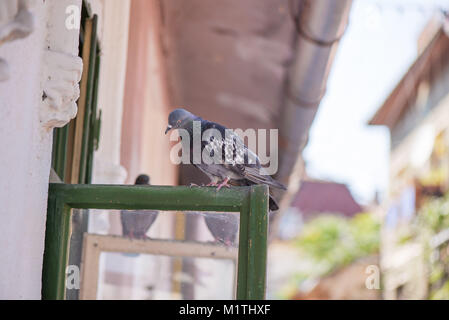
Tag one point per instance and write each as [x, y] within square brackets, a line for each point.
[378, 47]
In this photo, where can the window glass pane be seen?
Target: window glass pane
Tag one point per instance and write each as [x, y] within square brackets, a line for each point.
[147, 254]
[149, 277]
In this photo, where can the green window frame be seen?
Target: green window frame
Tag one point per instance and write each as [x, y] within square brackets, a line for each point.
[250, 202]
[76, 142]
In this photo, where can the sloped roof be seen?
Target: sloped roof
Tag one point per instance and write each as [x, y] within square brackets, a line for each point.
[399, 99]
[316, 197]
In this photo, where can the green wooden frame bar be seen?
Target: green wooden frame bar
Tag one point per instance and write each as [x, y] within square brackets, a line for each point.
[251, 202]
[92, 75]
[59, 154]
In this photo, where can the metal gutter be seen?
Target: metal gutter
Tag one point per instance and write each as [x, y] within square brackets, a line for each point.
[320, 25]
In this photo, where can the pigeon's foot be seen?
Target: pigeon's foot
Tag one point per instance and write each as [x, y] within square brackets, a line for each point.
[224, 184]
[140, 236]
[211, 184]
[217, 241]
[193, 185]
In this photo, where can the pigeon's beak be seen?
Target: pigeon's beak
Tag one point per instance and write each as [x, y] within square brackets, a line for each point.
[169, 127]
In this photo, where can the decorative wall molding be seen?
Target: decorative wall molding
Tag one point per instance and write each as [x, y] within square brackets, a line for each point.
[16, 22]
[62, 73]
[61, 66]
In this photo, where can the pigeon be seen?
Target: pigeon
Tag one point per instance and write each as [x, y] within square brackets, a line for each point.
[238, 166]
[136, 223]
[223, 227]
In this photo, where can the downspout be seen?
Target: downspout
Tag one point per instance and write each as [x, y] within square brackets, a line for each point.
[320, 25]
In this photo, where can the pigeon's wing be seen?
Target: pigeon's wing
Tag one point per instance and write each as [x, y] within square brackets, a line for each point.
[214, 145]
[246, 164]
[144, 220]
[223, 227]
[256, 175]
[213, 142]
[227, 146]
[137, 222]
[236, 160]
[127, 219]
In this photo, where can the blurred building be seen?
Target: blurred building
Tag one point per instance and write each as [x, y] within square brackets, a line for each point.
[313, 198]
[318, 199]
[417, 114]
[347, 283]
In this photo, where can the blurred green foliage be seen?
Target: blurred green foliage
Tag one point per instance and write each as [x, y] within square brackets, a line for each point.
[329, 242]
[441, 293]
[433, 218]
[434, 214]
[336, 241]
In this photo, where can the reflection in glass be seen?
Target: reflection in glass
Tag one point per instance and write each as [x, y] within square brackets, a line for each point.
[161, 277]
[176, 255]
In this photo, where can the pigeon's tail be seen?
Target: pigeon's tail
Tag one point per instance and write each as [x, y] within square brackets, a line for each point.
[254, 175]
[273, 204]
[276, 184]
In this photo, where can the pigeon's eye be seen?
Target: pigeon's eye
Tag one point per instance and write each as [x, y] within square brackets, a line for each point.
[212, 138]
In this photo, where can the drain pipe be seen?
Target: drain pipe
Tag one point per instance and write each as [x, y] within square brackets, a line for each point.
[320, 25]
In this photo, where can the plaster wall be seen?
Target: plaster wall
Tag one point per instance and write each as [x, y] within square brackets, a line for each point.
[26, 123]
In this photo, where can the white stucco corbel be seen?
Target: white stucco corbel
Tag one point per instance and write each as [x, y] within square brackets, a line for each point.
[62, 67]
[16, 21]
[62, 74]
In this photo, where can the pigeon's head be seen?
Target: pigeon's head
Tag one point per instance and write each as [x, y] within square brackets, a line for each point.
[178, 118]
[142, 179]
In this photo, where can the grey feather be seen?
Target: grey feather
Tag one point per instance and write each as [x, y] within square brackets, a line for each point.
[136, 223]
[223, 227]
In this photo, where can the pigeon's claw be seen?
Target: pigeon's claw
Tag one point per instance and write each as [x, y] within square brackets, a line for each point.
[211, 184]
[193, 185]
[224, 184]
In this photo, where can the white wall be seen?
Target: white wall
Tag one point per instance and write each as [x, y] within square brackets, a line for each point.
[26, 138]
[24, 167]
